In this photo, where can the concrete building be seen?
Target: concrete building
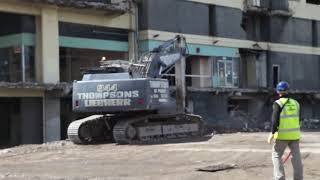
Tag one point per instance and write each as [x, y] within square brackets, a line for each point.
[238, 51]
[43, 46]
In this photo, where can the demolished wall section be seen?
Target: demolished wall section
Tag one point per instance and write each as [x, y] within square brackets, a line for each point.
[116, 6]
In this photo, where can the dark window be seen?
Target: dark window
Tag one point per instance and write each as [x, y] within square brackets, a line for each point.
[92, 32]
[212, 21]
[313, 1]
[275, 74]
[315, 34]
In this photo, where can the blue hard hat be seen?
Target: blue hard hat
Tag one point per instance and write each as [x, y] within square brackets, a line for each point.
[283, 86]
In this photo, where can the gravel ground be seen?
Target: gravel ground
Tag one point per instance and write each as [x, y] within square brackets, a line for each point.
[248, 152]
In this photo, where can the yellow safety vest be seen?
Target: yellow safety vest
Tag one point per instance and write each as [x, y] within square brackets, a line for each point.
[289, 125]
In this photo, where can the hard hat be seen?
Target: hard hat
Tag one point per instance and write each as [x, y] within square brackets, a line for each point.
[283, 86]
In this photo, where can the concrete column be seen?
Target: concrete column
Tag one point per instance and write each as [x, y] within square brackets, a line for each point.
[202, 66]
[205, 70]
[38, 50]
[261, 70]
[131, 50]
[133, 35]
[257, 70]
[251, 71]
[180, 70]
[50, 44]
[195, 70]
[50, 71]
[51, 116]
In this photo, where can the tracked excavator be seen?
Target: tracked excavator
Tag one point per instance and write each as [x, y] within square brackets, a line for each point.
[130, 102]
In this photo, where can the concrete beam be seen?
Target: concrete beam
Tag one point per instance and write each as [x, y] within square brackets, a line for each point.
[231, 43]
[109, 7]
[6, 92]
[300, 8]
[81, 16]
[20, 8]
[95, 18]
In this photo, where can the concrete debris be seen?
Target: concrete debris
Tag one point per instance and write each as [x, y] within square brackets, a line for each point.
[310, 123]
[5, 151]
[217, 167]
[267, 126]
[119, 7]
[65, 87]
[246, 121]
[248, 151]
[247, 91]
[28, 149]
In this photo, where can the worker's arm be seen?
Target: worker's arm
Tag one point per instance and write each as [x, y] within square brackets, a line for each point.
[300, 115]
[275, 119]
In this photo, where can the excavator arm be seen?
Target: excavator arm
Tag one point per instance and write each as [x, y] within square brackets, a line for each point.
[161, 59]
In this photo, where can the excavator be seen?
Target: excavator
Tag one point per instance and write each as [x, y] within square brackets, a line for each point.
[131, 103]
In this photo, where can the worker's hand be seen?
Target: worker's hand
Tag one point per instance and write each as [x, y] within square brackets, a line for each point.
[270, 138]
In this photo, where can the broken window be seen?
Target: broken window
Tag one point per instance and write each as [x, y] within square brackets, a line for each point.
[17, 48]
[72, 60]
[17, 64]
[226, 72]
[83, 46]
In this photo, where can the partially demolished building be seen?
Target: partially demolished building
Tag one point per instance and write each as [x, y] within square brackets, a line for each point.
[44, 43]
[238, 51]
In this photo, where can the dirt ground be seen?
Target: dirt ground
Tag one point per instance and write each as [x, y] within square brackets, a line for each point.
[63, 160]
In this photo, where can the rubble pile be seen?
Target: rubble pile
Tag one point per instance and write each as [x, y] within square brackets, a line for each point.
[246, 121]
[64, 88]
[310, 123]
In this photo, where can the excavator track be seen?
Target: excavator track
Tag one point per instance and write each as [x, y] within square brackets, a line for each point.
[89, 130]
[157, 129]
[148, 129]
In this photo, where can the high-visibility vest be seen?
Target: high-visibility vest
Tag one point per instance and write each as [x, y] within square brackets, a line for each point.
[289, 124]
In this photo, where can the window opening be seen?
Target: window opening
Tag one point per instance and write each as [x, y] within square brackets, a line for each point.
[275, 74]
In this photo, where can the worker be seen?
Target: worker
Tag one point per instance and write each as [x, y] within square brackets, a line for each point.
[285, 132]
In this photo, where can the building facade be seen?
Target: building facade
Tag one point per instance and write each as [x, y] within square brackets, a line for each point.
[43, 46]
[238, 51]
